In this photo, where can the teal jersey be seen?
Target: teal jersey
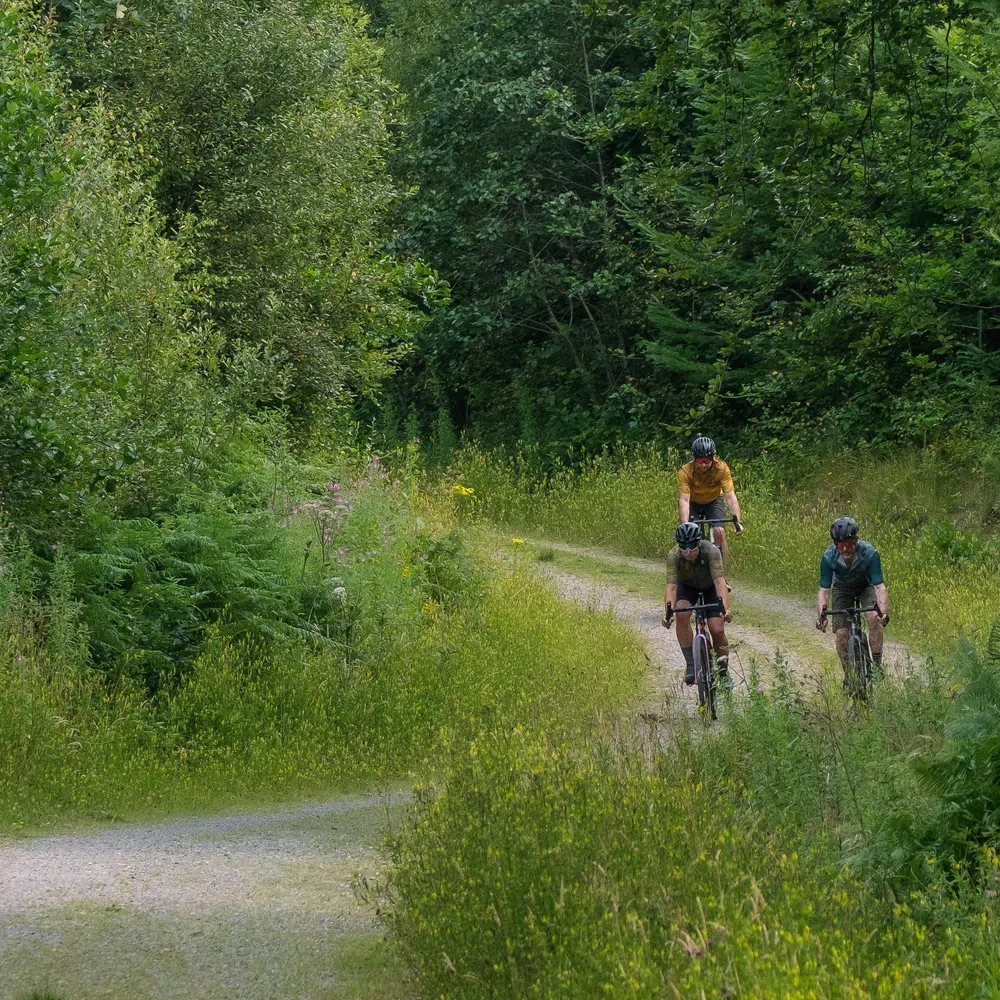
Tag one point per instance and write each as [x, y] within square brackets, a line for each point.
[864, 571]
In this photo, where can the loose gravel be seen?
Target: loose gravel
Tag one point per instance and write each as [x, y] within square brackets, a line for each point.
[259, 905]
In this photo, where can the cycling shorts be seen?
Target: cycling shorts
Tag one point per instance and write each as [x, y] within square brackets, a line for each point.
[715, 510]
[685, 592]
[842, 598]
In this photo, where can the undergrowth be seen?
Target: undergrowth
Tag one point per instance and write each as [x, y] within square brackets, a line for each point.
[368, 637]
[748, 861]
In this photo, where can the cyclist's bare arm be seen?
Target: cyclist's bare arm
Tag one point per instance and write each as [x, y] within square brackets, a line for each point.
[734, 508]
[683, 506]
[822, 601]
[882, 598]
[723, 591]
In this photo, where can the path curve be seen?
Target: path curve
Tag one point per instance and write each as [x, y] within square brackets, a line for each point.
[752, 651]
[807, 662]
[259, 905]
[796, 611]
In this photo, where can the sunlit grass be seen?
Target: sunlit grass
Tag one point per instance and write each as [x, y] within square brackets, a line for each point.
[943, 578]
[435, 643]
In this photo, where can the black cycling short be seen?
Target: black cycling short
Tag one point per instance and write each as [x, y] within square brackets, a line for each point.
[685, 592]
[715, 510]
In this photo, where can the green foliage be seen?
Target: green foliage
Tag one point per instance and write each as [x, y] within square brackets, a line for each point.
[192, 252]
[265, 130]
[272, 675]
[514, 146]
[548, 867]
[659, 214]
[951, 836]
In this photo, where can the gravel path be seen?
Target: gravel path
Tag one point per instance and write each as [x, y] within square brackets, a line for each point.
[668, 696]
[807, 659]
[251, 906]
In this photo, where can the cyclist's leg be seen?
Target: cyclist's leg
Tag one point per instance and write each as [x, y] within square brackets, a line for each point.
[685, 630]
[876, 636]
[719, 537]
[714, 511]
[720, 642]
[841, 599]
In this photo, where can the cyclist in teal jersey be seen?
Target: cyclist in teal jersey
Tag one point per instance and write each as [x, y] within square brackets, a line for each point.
[851, 570]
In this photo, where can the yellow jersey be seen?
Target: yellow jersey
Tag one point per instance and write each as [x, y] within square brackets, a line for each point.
[703, 486]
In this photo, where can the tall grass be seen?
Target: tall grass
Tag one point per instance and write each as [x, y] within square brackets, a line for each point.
[930, 519]
[748, 862]
[419, 644]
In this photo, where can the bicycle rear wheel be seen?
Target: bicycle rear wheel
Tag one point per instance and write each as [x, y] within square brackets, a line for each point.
[703, 675]
[858, 668]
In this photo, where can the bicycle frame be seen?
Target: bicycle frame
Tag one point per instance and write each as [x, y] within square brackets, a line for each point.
[857, 642]
[702, 651]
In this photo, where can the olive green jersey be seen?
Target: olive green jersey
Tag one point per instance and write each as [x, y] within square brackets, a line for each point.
[700, 573]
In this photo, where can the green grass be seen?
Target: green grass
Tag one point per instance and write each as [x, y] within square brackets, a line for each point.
[931, 521]
[550, 865]
[431, 643]
[547, 868]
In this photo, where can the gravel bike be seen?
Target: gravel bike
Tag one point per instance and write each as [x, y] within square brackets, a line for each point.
[701, 653]
[859, 652]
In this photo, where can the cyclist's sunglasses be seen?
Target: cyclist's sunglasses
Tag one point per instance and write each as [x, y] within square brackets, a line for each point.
[688, 546]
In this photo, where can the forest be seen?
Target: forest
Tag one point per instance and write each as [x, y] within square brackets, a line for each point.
[778, 220]
[348, 352]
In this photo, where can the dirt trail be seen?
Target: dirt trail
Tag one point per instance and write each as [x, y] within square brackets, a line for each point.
[251, 906]
[750, 648]
[808, 658]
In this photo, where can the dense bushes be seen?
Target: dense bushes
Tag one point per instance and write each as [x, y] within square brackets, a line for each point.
[192, 280]
[264, 129]
[552, 869]
[659, 216]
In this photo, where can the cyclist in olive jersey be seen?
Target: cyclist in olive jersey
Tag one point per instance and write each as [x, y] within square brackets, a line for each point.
[704, 487]
[851, 569]
[694, 569]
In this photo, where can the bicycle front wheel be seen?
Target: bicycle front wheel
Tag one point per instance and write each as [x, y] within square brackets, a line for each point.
[704, 676]
[858, 668]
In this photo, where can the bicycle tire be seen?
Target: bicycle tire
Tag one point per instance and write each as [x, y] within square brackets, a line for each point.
[858, 670]
[703, 675]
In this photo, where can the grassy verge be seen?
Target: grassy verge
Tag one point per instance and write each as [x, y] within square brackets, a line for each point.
[754, 861]
[931, 521]
[418, 644]
[804, 850]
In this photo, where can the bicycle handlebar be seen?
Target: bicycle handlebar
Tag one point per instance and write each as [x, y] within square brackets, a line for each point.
[716, 520]
[695, 607]
[851, 611]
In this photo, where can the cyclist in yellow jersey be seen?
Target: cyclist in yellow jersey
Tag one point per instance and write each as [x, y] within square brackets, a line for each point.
[704, 487]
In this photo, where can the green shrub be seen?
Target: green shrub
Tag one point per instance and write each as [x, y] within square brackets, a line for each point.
[946, 835]
[547, 867]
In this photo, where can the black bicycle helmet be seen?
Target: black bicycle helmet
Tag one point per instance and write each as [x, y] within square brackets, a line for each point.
[688, 535]
[844, 529]
[703, 447]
